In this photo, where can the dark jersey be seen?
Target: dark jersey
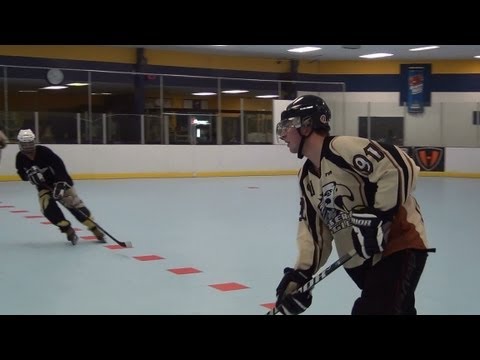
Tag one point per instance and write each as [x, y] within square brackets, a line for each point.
[356, 172]
[50, 164]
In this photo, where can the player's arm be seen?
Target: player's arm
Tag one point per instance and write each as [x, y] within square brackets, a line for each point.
[389, 174]
[21, 171]
[56, 164]
[3, 140]
[314, 243]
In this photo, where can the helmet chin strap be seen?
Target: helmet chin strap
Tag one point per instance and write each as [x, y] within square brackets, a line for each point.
[300, 148]
[302, 142]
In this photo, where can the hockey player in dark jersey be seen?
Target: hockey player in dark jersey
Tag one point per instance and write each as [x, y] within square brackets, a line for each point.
[46, 170]
[356, 194]
[3, 142]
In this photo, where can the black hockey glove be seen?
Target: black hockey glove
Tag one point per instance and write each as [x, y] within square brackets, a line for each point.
[288, 302]
[35, 175]
[59, 190]
[367, 233]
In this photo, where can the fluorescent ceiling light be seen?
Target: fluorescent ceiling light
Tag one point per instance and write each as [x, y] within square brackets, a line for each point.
[77, 84]
[54, 87]
[27, 91]
[424, 48]
[304, 49]
[375, 56]
[477, 56]
[234, 91]
[103, 93]
[200, 122]
[266, 96]
[205, 93]
[219, 45]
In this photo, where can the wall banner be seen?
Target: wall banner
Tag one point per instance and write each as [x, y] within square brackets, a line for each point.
[415, 94]
[415, 86]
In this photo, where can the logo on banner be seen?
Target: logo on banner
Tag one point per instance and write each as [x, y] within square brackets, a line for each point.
[415, 89]
[428, 157]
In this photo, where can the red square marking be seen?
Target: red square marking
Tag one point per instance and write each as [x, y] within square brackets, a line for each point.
[18, 211]
[46, 222]
[33, 216]
[114, 247]
[148, 257]
[229, 286]
[89, 237]
[6, 206]
[269, 306]
[184, 271]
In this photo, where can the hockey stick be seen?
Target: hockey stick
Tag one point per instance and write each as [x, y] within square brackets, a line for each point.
[126, 244]
[320, 276]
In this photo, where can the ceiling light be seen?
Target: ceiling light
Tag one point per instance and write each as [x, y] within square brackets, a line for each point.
[304, 49]
[375, 56]
[219, 45]
[77, 84]
[27, 91]
[54, 87]
[234, 91]
[266, 96]
[424, 48]
[477, 56]
[206, 93]
[103, 93]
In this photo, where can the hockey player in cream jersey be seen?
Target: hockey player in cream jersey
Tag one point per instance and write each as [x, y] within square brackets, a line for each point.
[357, 194]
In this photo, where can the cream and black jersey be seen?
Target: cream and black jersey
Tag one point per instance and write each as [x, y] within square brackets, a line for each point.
[356, 172]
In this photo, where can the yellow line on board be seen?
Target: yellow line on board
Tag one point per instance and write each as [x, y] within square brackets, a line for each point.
[115, 176]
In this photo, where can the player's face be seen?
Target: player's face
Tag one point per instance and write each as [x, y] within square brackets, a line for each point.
[27, 147]
[292, 138]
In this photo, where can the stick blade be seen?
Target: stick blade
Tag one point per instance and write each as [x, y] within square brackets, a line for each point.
[127, 244]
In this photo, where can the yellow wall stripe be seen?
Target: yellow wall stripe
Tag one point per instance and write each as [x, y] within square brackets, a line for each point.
[223, 174]
[205, 61]
[456, 67]
[72, 52]
[127, 55]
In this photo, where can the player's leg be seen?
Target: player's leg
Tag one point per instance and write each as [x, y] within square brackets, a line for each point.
[54, 214]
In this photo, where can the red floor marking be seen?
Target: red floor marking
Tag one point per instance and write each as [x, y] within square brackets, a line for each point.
[6, 206]
[269, 306]
[148, 257]
[229, 286]
[18, 211]
[34, 216]
[46, 223]
[184, 271]
[114, 247]
[89, 237]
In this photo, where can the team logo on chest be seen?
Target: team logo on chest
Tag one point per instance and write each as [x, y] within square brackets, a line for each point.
[335, 202]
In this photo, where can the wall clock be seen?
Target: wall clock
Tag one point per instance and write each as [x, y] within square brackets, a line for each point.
[55, 76]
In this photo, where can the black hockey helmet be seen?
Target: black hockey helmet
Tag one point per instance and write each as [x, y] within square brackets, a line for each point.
[307, 111]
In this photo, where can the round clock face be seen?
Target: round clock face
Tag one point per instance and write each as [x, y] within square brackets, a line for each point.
[55, 76]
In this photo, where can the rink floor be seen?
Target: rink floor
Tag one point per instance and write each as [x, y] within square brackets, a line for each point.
[208, 246]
